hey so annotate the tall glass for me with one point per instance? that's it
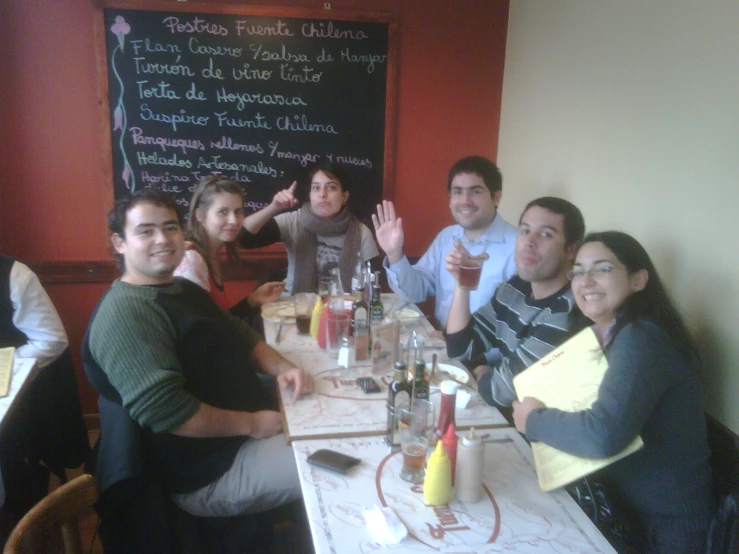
(470, 270)
(414, 423)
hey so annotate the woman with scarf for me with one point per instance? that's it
(321, 235)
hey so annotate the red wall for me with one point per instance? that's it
(53, 197)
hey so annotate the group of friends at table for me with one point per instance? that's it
(164, 353)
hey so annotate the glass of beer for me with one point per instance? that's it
(470, 270)
(414, 423)
(304, 302)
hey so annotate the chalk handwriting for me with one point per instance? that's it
(155, 159)
(172, 119)
(160, 90)
(300, 123)
(257, 123)
(368, 59)
(216, 162)
(195, 25)
(241, 99)
(147, 46)
(227, 143)
(278, 29)
(327, 30)
(196, 48)
(139, 138)
(142, 66)
(249, 74)
(305, 159)
(289, 73)
(283, 55)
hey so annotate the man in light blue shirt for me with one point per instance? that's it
(475, 187)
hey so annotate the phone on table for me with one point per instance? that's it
(332, 460)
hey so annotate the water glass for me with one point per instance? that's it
(414, 423)
(337, 328)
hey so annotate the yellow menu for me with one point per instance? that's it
(6, 369)
(567, 379)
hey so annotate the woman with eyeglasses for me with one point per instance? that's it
(651, 389)
(216, 217)
(321, 235)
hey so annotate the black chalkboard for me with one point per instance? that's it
(256, 94)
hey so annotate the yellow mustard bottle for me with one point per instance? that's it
(315, 317)
(437, 487)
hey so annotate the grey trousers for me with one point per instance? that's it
(263, 476)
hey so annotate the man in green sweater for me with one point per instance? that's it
(187, 372)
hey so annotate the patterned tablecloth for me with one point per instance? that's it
(513, 516)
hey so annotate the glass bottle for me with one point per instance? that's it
(358, 278)
(398, 395)
(420, 384)
(376, 309)
(336, 300)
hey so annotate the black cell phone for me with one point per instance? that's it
(332, 460)
(368, 384)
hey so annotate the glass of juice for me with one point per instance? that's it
(470, 270)
(414, 423)
(304, 302)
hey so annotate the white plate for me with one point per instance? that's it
(276, 310)
(407, 313)
(456, 373)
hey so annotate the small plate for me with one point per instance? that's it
(407, 313)
(456, 373)
(276, 310)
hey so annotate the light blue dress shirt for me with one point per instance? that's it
(429, 277)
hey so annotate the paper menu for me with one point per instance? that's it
(6, 369)
(568, 379)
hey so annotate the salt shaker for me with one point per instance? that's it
(470, 462)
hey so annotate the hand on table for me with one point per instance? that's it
(389, 231)
(285, 199)
(300, 380)
(268, 292)
(522, 409)
(265, 424)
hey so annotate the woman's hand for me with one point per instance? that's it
(268, 292)
(521, 411)
(285, 199)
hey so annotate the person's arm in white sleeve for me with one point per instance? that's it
(36, 317)
(193, 268)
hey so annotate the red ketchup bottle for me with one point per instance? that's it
(448, 403)
(450, 445)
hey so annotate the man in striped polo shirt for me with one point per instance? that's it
(529, 315)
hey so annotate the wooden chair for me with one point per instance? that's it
(54, 519)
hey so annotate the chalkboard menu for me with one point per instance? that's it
(254, 94)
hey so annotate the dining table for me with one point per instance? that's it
(513, 515)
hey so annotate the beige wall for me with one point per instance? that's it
(631, 110)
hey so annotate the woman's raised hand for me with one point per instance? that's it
(268, 292)
(285, 199)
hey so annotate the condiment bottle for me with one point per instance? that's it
(437, 487)
(470, 463)
(376, 309)
(450, 445)
(448, 404)
(315, 318)
(420, 384)
(398, 395)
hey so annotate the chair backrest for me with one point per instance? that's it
(53, 517)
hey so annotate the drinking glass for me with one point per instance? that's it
(304, 302)
(470, 270)
(337, 327)
(324, 288)
(414, 423)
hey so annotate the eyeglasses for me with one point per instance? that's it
(598, 272)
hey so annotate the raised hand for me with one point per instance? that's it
(285, 199)
(453, 260)
(389, 231)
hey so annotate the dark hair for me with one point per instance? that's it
(333, 170)
(653, 303)
(202, 199)
(118, 214)
(574, 223)
(481, 166)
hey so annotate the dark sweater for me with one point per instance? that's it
(650, 390)
(162, 351)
